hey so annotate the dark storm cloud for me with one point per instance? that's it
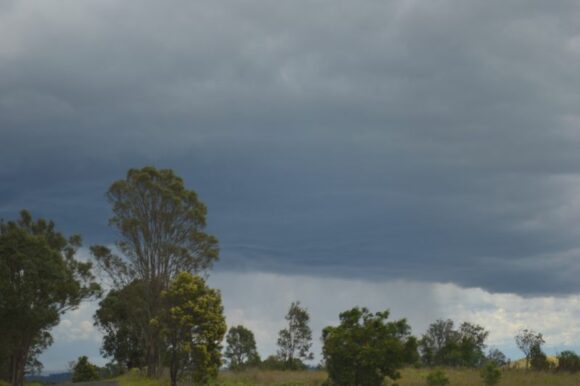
(431, 141)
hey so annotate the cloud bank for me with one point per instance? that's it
(259, 301)
(424, 141)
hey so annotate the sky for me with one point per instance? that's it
(420, 156)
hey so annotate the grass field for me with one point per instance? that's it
(410, 377)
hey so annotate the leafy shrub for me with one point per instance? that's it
(365, 348)
(85, 371)
(568, 361)
(437, 378)
(538, 360)
(497, 357)
(490, 374)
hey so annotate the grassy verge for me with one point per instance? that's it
(135, 378)
(270, 377)
(410, 377)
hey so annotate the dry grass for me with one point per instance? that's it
(136, 378)
(410, 377)
(271, 377)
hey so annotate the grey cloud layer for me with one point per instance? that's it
(430, 141)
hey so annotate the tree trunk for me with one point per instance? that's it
(17, 364)
(152, 361)
(173, 368)
(153, 293)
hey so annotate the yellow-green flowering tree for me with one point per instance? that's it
(192, 326)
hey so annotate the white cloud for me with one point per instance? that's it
(260, 300)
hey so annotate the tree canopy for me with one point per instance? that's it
(529, 341)
(161, 226)
(241, 351)
(40, 279)
(192, 325)
(121, 317)
(85, 371)
(443, 345)
(295, 341)
(365, 348)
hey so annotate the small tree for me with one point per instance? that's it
(497, 357)
(121, 317)
(538, 359)
(272, 362)
(192, 325)
(85, 371)
(443, 345)
(295, 341)
(568, 361)
(526, 340)
(241, 349)
(437, 378)
(364, 348)
(490, 374)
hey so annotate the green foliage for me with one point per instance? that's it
(192, 325)
(490, 374)
(365, 348)
(40, 279)
(437, 378)
(85, 371)
(241, 349)
(120, 317)
(112, 370)
(528, 340)
(538, 359)
(273, 362)
(497, 357)
(568, 361)
(443, 345)
(294, 342)
(161, 227)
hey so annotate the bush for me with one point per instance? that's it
(568, 361)
(490, 374)
(85, 371)
(538, 360)
(365, 348)
(273, 362)
(497, 357)
(437, 378)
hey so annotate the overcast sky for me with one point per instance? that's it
(397, 146)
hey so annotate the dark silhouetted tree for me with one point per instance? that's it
(526, 340)
(122, 317)
(538, 359)
(496, 356)
(40, 279)
(443, 345)
(568, 361)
